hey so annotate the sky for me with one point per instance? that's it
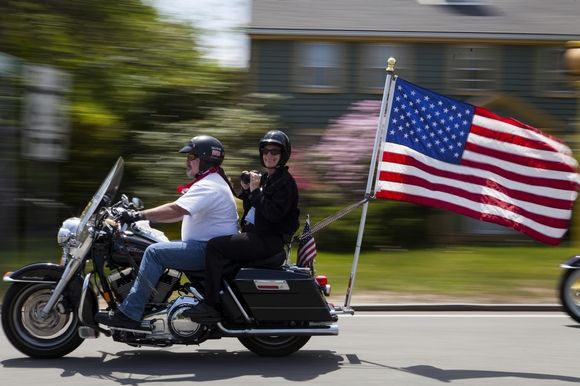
(222, 22)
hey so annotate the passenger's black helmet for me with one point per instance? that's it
(208, 149)
(279, 138)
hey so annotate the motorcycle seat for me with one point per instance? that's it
(274, 261)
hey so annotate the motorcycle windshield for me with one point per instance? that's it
(105, 193)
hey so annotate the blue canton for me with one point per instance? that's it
(429, 123)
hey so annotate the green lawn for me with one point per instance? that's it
(519, 274)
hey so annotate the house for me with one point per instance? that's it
(324, 55)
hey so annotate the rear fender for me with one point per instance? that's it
(571, 263)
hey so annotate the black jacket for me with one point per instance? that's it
(276, 204)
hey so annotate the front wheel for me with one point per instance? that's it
(52, 336)
(570, 293)
(274, 346)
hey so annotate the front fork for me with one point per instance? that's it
(69, 272)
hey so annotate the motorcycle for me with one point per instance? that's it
(272, 307)
(569, 288)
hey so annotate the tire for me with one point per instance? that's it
(51, 337)
(274, 346)
(570, 293)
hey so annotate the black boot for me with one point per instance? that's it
(117, 319)
(204, 312)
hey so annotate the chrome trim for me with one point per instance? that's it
(86, 284)
(242, 310)
(566, 266)
(331, 329)
(339, 310)
(66, 277)
(8, 279)
(145, 332)
(195, 292)
(271, 285)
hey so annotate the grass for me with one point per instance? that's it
(490, 274)
(512, 274)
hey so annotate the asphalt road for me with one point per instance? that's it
(378, 348)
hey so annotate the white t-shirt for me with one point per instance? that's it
(212, 210)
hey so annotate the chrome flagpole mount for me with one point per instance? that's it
(375, 159)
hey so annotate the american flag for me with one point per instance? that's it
(306, 247)
(452, 155)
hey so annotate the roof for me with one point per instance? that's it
(489, 19)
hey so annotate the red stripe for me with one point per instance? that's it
(468, 212)
(308, 248)
(530, 197)
(537, 181)
(481, 198)
(519, 159)
(488, 114)
(511, 138)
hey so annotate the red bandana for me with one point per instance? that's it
(182, 189)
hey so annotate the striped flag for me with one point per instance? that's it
(452, 155)
(306, 247)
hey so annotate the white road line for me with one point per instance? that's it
(538, 315)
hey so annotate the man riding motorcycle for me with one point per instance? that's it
(208, 210)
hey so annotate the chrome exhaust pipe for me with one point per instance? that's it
(331, 329)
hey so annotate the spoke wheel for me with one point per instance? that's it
(52, 336)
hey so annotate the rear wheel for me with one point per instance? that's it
(274, 346)
(52, 336)
(570, 293)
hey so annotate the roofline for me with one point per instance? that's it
(431, 36)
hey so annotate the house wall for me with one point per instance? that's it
(272, 68)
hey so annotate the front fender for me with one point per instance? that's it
(51, 273)
(571, 263)
(36, 273)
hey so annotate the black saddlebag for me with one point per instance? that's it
(282, 295)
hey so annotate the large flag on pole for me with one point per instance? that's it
(441, 152)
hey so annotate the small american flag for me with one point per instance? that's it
(441, 152)
(306, 247)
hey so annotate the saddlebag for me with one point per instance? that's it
(282, 295)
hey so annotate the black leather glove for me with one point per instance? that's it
(130, 216)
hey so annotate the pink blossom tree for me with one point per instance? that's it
(343, 155)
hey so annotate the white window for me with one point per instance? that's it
(319, 66)
(551, 77)
(473, 70)
(373, 62)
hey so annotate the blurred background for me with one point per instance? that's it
(84, 82)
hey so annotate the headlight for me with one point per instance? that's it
(67, 230)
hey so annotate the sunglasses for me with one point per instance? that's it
(191, 157)
(271, 151)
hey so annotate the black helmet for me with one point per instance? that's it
(208, 149)
(279, 138)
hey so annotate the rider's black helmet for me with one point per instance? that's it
(279, 138)
(208, 149)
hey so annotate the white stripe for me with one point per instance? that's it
(472, 205)
(508, 128)
(519, 169)
(469, 171)
(520, 150)
(477, 189)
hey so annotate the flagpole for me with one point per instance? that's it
(387, 98)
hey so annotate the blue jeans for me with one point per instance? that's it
(181, 255)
